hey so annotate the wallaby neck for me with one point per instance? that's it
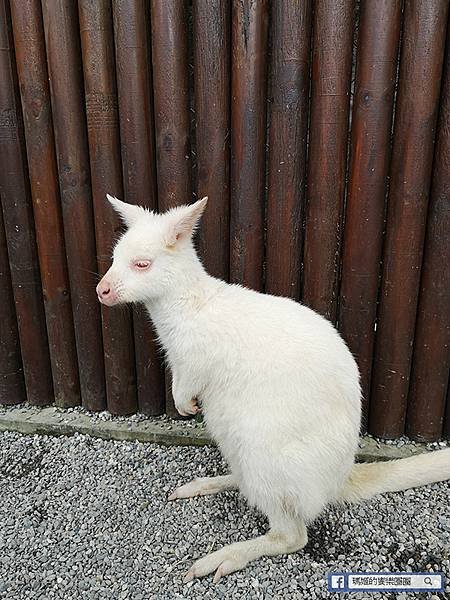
(175, 310)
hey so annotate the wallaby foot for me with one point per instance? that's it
(203, 486)
(286, 535)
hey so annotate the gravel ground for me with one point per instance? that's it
(83, 518)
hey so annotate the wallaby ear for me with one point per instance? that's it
(183, 220)
(129, 213)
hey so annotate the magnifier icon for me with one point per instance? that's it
(428, 581)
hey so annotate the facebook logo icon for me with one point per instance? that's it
(337, 582)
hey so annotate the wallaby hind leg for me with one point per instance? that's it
(203, 486)
(286, 534)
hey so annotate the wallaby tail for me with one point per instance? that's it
(368, 479)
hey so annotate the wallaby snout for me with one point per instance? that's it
(106, 293)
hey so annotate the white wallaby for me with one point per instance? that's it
(278, 387)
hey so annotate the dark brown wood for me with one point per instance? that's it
(169, 22)
(97, 41)
(134, 82)
(171, 411)
(171, 98)
(289, 105)
(211, 35)
(135, 104)
(422, 55)
(12, 386)
(431, 363)
(446, 433)
(19, 228)
(248, 126)
(66, 87)
(33, 78)
(378, 41)
(331, 72)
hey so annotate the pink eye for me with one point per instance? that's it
(141, 265)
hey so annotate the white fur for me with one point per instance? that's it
(278, 387)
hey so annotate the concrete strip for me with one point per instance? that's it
(370, 450)
(52, 421)
(49, 421)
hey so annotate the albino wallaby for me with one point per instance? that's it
(278, 387)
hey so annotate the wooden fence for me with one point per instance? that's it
(320, 130)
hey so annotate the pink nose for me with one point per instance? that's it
(104, 290)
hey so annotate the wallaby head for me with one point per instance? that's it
(153, 254)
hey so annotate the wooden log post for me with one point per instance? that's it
(446, 433)
(66, 87)
(379, 35)
(422, 55)
(330, 101)
(19, 229)
(97, 42)
(211, 26)
(289, 105)
(33, 78)
(171, 98)
(134, 81)
(12, 387)
(249, 35)
(171, 103)
(431, 362)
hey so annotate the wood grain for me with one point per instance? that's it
(249, 38)
(97, 42)
(431, 362)
(36, 107)
(376, 68)
(288, 114)
(412, 155)
(330, 102)
(19, 228)
(69, 120)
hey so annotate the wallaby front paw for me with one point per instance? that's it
(188, 408)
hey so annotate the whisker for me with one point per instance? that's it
(88, 271)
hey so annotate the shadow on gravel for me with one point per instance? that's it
(21, 468)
